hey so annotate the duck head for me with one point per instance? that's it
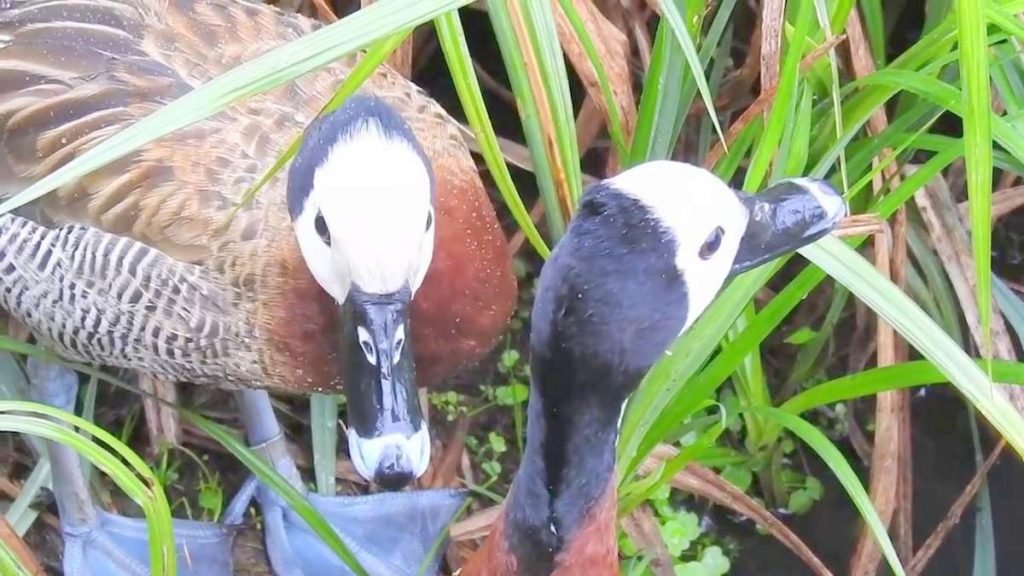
(361, 198)
(648, 251)
(645, 254)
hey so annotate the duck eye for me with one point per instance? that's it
(712, 244)
(321, 228)
(399, 343)
(430, 220)
(366, 344)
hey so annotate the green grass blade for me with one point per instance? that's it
(834, 89)
(269, 476)
(874, 26)
(831, 455)
(323, 418)
(642, 490)
(452, 38)
(810, 353)
(529, 114)
(796, 142)
(937, 283)
(539, 18)
(1010, 305)
(936, 12)
(260, 74)
(972, 34)
(666, 97)
(9, 563)
(887, 378)
(782, 113)
(614, 120)
(661, 102)
(984, 532)
(1008, 78)
(749, 381)
(716, 77)
(672, 12)
(849, 268)
(144, 491)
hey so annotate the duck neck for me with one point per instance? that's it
(566, 472)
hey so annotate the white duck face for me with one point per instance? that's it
(719, 232)
(700, 213)
(361, 193)
(366, 218)
(645, 255)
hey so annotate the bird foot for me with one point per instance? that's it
(99, 542)
(391, 533)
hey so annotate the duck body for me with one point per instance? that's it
(645, 255)
(166, 278)
(79, 73)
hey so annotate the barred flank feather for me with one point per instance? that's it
(96, 297)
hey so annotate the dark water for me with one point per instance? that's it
(943, 464)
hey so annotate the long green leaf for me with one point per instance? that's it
(661, 102)
(780, 115)
(677, 22)
(452, 38)
(9, 563)
(860, 277)
(260, 74)
(888, 378)
(268, 475)
(323, 420)
(984, 526)
(529, 113)
(642, 490)
(614, 120)
(540, 21)
(844, 473)
(25, 418)
(874, 25)
(977, 115)
(666, 97)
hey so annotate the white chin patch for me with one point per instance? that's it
(366, 454)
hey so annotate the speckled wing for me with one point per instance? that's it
(96, 297)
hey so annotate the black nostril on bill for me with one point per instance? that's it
(394, 471)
